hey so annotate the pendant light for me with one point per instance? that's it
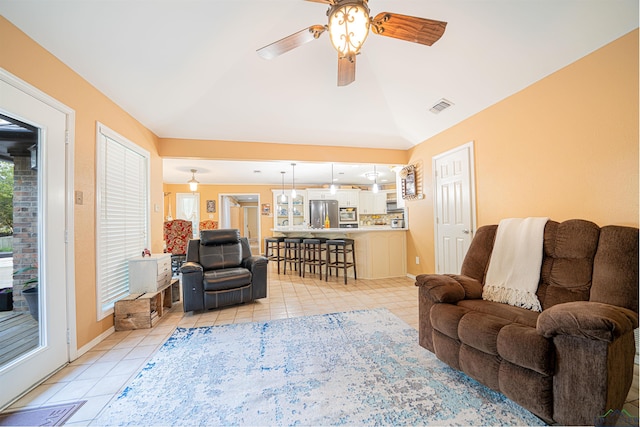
(375, 188)
(293, 182)
(193, 183)
(283, 197)
(332, 187)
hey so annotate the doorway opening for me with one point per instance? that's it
(241, 211)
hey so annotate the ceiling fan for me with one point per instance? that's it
(348, 27)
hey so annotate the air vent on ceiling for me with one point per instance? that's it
(443, 104)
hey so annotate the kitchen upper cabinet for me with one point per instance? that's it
(348, 198)
(373, 203)
(318, 194)
(288, 212)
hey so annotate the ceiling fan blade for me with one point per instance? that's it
(346, 70)
(288, 43)
(409, 28)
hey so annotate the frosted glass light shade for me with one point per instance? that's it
(349, 27)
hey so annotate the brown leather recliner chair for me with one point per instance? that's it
(570, 364)
(221, 271)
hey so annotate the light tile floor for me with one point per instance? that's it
(98, 375)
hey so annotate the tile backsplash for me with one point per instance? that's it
(381, 219)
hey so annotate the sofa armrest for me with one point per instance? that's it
(257, 265)
(252, 262)
(192, 286)
(449, 288)
(585, 319)
(190, 267)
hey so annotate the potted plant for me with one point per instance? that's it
(30, 291)
(6, 299)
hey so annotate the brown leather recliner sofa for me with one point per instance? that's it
(569, 364)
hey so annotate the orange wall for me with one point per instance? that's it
(564, 147)
(236, 150)
(27, 60)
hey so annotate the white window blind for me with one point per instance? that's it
(122, 214)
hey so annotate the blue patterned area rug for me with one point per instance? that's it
(354, 368)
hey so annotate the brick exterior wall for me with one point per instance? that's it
(25, 226)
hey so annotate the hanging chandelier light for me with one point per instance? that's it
(332, 187)
(293, 182)
(193, 183)
(283, 197)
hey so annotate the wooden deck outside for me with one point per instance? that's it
(19, 333)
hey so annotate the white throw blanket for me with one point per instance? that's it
(516, 260)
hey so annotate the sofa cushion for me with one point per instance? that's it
(219, 237)
(569, 249)
(524, 346)
(475, 262)
(446, 317)
(504, 311)
(615, 270)
(480, 331)
(226, 278)
(221, 256)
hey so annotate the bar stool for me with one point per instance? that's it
(292, 254)
(312, 254)
(273, 247)
(340, 248)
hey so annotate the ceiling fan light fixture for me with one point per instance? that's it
(349, 26)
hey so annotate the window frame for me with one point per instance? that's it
(103, 134)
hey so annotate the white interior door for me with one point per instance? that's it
(454, 206)
(24, 103)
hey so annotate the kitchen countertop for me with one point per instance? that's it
(363, 229)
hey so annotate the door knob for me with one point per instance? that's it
(465, 231)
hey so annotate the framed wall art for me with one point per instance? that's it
(211, 206)
(409, 189)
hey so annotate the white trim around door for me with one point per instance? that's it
(58, 344)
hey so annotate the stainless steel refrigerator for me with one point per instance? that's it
(319, 210)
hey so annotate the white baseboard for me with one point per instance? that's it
(82, 350)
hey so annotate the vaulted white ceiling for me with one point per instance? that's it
(189, 69)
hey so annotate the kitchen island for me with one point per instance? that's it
(380, 250)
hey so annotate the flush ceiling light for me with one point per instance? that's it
(193, 183)
(283, 198)
(372, 176)
(293, 182)
(349, 26)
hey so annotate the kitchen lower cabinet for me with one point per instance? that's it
(381, 254)
(380, 251)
